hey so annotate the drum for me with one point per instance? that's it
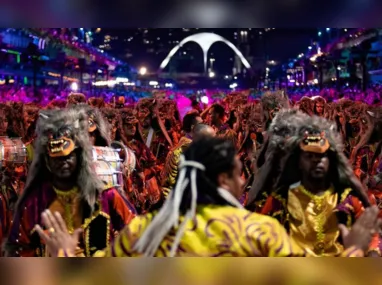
(21, 150)
(109, 176)
(127, 155)
(12, 150)
(107, 154)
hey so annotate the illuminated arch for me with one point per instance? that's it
(205, 41)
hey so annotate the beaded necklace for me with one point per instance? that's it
(66, 198)
(320, 218)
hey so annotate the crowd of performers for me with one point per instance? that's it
(80, 177)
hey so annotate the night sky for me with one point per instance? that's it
(276, 44)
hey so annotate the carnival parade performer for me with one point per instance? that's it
(142, 185)
(169, 172)
(322, 194)
(222, 129)
(286, 123)
(62, 179)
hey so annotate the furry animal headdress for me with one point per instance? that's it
(29, 119)
(272, 102)
(113, 121)
(373, 131)
(286, 124)
(52, 121)
(76, 98)
(56, 104)
(96, 123)
(128, 115)
(96, 102)
(305, 105)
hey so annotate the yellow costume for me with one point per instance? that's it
(216, 231)
(170, 170)
(313, 222)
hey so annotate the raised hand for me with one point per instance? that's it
(58, 236)
(363, 229)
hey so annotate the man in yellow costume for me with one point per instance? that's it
(202, 217)
(62, 178)
(316, 190)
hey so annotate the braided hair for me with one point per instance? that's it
(197, 183)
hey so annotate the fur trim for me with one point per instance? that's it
(56, 104)
(96, 102)
(272, 100)
(76, 98)
(112, 114)
(102, 126)
(286, 124)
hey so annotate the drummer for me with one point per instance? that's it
(12, 171)
(62, 179)
(142, 185)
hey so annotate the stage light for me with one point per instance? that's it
(309, 47)
(211, 74)
(204, 99)
(74, 86)
(142, 70)
(121, 80)
(319, 34)
(153, 83)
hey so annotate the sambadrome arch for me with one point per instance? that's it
(205, 41)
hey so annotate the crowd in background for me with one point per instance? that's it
(339, 132)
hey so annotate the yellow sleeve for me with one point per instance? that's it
(122, 245)
(272, 240)
(170, 170)
(352, 252)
